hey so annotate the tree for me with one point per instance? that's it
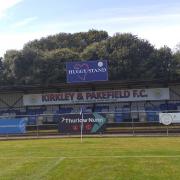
(162, 64)
(127, 56)
(9, 65)
(177, 65)
(96, 51)
(76, 42)
(1, 71)
(19, 66)
(52, 66)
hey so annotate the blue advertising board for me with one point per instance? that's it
(13, 126)
(87, 71)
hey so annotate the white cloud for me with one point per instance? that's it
(161, 36)
(6, 4)
(17, 40)
(24, 22)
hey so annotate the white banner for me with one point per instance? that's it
(168, 118)
(96, 96)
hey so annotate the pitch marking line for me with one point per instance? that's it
(50, 168)
(89, 157)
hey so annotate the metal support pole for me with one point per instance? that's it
(82, 127)
(133, 126)
(37, 128)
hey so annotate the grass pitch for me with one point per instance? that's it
(94, 159)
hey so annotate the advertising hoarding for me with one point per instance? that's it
(97, 96)
(13, 126)
(86, 71)
(92, 123)
(168, 118)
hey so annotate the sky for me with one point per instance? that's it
(21, 21)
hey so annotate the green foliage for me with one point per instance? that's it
(77, 41)
(177, 64)
(126, 53)
(129, 58)
(96, 51)
(1, 70)
(54, 65)
(162, 64)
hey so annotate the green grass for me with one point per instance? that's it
(94, 159)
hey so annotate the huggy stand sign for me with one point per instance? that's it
(86, 71)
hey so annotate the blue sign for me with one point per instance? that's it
(87, 71)
(13, 126)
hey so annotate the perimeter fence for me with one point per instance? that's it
(130, 123)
